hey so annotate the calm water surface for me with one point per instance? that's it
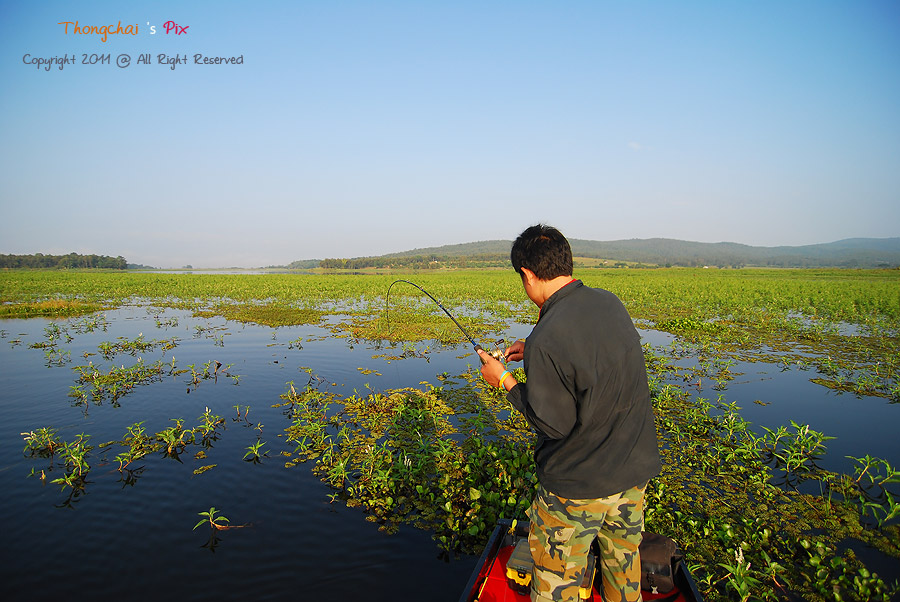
(135, 540)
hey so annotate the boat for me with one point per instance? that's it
(499, 576)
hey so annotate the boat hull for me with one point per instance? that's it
(489, 582)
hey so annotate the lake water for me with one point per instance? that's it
(135, 539)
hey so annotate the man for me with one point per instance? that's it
(587, 397)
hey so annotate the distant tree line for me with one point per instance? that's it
(417, 262)
(70, 261)
(303, 264)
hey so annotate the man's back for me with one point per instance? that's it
(587, 396)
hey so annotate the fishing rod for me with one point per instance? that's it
(495, 353)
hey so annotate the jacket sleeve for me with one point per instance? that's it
(547, 397)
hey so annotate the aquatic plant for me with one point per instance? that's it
(720, 490)
(794, 453)
(739, 577)
(134, 346)
(138, 443)
(211, 518)
(42, 442)
(253, 452)
(56, 308)
(175, 438)
(216, 523)
(112, 385)
(208, 429)
(872, 478)
(396, 455)
(73, 456)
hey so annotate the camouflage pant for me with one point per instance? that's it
(560, 539)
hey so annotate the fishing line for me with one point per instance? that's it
(496, 353)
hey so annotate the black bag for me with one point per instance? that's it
(659, 559)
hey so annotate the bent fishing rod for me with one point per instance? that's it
(495, 353)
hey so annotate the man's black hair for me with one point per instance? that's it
(543, 250)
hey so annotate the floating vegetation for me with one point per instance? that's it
(54, 335)
(242, 417)
(754, 510)
(216, 523)
(688, 325)
(113, 384)
(213, 520)
(406, 350)
(725, 488)
(71, 457)
(265, 315)
(134, 346)
(210, 371)
(254, 452)
(89, 323)
(42, 442)
(413, 325)
(453, 459)
(434, 458)
(870, 483)
(208, 430)
(137, 445)
(50, 308)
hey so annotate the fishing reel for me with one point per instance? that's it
(497, 351)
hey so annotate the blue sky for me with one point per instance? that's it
(370, 127)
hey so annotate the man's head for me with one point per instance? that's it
(544, 251)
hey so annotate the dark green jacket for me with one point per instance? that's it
(587, 396)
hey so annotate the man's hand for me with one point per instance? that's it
(492, 371)
(515, 352)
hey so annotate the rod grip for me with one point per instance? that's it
(477, 349)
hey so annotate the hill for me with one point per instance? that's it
(847, 253)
